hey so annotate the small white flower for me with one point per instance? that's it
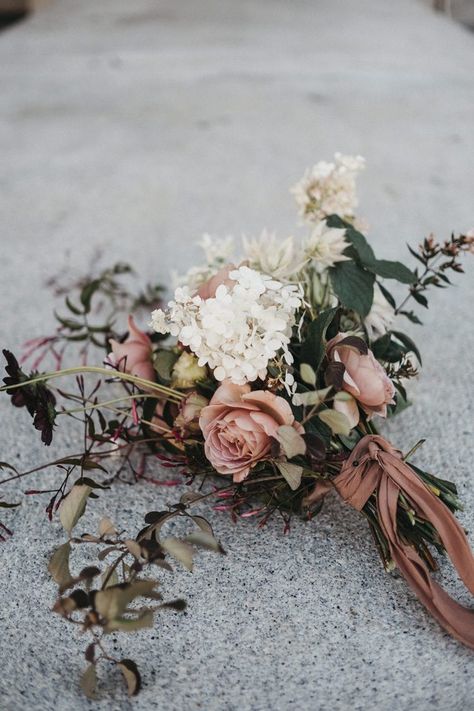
(237, 332)
(326, 245)
(273, 256)
(380, 317)
(329, 188)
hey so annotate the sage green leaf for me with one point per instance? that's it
(74, 506)
(89, 682)
(291, 472)
(337, 421)
(180, 550)
(290, 441)
(132, 676)
(307, 374)
(354, 286)
(58, 566)
(204, 540)
(141, 621)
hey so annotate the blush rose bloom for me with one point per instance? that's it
(133, 356)
(209, 288)
(238, 425)
(364, 379)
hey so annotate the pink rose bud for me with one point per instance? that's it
(209, 288)
(364, 379)
(238, 426)
(133, 356)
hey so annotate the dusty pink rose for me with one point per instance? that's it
(133, 356)
(238, 425)
(209, 288)
(364, 379)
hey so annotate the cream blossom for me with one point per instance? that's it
(325, 245)
(217, 252)
(380, 317)
(270, 255)
(329, 188)
(240, 329)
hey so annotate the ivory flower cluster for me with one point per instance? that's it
(239, 329)
(329, 188)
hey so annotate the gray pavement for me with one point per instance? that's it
(134, 127)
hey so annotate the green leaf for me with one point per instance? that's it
(407, 341)
(381, 345)
(74, 309)
(393, 270)
(73, 506)
(353, 286)
(291, 472)
(88, 292)
(314, 346)
(163, 364)
(89, 682)
(6, 505)
(411, 316)
(363, 249)
(387, 295)
(59, 565)
(420, 298)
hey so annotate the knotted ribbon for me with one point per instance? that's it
(375, 466)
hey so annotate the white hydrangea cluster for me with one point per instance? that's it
(329, 188)
(237, 332)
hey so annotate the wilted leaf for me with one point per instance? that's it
(307, 374)
(59, 565)
(6, 505)
(189, 497)
(141, 621)
(203, 524)
(111, 603)
(74, 506)
(106, 527)
(132, 676)
(134, 548)
(290, 441)
(204, 540)
(112, 580)
(291, 472)
(89, 682)
(337, 421)
(181, 551)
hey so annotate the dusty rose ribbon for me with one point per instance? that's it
(375, 466)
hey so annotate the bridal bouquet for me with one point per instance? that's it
(260, 384)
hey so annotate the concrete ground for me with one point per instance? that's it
(133, 128)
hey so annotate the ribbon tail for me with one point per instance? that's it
(453, 617)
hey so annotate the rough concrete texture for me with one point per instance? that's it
(133, 128)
